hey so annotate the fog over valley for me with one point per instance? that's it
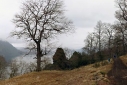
(63, 42)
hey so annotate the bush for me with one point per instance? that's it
(49, 67)
(103, 63)
(103, 73)
(96, 65)
(75, 60)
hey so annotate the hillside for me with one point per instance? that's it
(113, 73)
(86, 75)
(8, 51)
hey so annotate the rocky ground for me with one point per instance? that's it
(118, 74)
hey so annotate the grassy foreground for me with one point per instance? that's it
(86, 75)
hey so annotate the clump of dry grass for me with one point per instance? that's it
(124, 59)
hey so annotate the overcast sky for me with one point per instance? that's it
(83, 13)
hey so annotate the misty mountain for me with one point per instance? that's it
(26, 51)
(8, 51)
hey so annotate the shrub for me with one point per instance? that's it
(103, 73)
(96, 65)
(103, 63)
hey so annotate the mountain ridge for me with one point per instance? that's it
(8, 51)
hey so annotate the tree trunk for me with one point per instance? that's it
(123, 42)
(39, 55)
(109, 48)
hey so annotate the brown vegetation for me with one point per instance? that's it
(87, 75)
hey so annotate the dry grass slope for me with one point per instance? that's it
(86, 75)
(124, 59)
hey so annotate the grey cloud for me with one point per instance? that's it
(83, 13)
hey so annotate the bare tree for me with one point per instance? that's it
(121, 33)
(38, 22)
(14, 67)
(31, 67)
(68, 52)
(99, 34)
(121, 13)
(121, 25)
(45, 61)
(109, 35)
(19, 67)
(89, 44)
(3, 65)
(22, 67)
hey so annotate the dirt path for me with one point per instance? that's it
(118, 74)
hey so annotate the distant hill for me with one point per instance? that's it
(8, 51)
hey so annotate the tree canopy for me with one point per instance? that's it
(39, 21)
